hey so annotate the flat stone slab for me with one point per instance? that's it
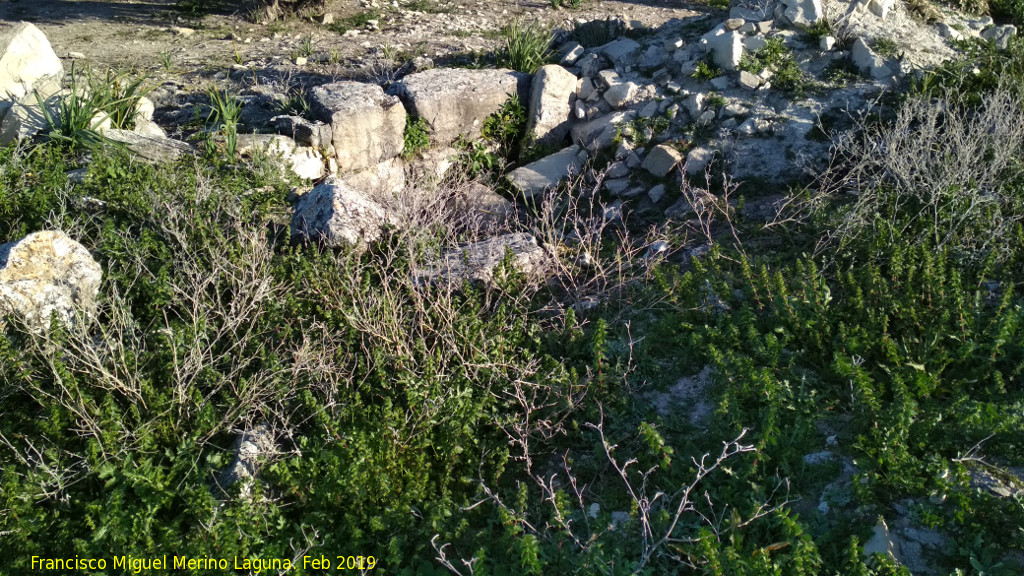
(455, 101)
(548, 172)
(599, 132)
(154, 149)
(478, 262)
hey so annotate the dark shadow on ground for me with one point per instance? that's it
(149, 12)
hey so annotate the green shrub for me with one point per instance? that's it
(981, 70)
(786, 73)
(1011, 11)
(416, 137)
(706, 70)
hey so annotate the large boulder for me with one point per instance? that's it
(803, 13)
(456, 102)
(367, 125)
(47, 272)
(661, 160)
(726, 49)
(477, 262)
(867, 61)
(548, 172)
(337, 214)
(28, 65)
(551, 98)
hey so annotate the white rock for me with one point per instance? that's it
(477, 262)
(598, 133)
(619, 49)
(337, 214)
(698, 159)
(150, 147)
(726, 50)
(148, 128)
(579, 110)
(733, 109)
(616, 186)
(649, 109)
(455, 101)
(1000, 35)
(880, 8)
(307, 163)
(661, 160)
(28, 65)
(803, 13)
(749, 81)
(695, 103)
(865, 59)
(947, 31)
(720, 83)
(545, 174)
(26, 57)
(620, 94)
(656, 193)
(368, 126)
(754, 43)
(551, 95)
(617, 169)
(826, 43)
(571, 53)
(585, 89)
(144, 109)
(748, 128)
(47, 272)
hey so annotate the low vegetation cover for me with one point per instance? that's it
(867, 365)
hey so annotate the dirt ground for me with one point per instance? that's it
(163, 40)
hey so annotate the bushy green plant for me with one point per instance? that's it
(786, 73)
(705, 70)
(506, 126)
(980, 70)
(416, 136)
(527, 46)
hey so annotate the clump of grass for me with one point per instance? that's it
(355, 21)
(296, 102)
(886, 48)
(527, 47)
(114, 96)
(820, 28)
(596, 32)
(225, 112)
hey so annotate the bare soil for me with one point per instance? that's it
(166, 42)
